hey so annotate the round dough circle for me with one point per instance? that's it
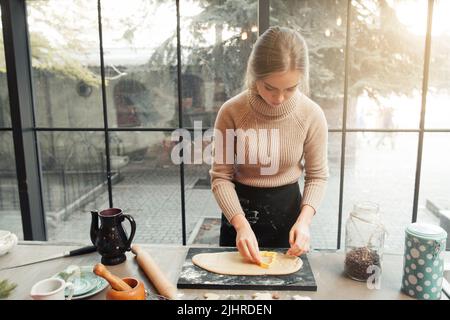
(232, 263)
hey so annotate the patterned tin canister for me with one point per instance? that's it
(423, 263)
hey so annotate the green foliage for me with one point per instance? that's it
(6, 288)
(226, 59)
(58, 61)
(2, 56)
(385, 57)
(48, 26)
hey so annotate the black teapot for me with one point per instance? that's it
(111, 238)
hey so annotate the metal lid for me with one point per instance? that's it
(426, 231)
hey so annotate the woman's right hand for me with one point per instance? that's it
(245, 239)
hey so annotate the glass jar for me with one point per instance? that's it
(364, 241)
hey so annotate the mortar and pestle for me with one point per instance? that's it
(121, 289)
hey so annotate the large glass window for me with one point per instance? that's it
(73, 181)
(434, 203)
(139, 43)
(5, 118)
(323, 25)
(213, 69)
(140, 53)
(386, 64)
(438, 98)
(65, 53)
(10, 218)
(385, 81)
(141, 82)
(148, 188)
(382, 171)
(324, 228)
(146, 100)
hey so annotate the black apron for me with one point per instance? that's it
(271, 213)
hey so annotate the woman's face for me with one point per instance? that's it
(278, 87)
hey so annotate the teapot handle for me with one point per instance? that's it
(133, 230)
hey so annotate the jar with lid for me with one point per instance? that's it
(423, 262)
(364, 241)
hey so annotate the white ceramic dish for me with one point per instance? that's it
(8, 241)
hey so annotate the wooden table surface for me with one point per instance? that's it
(327, 267)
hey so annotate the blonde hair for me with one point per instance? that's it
(278, 49)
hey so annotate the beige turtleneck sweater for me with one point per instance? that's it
(301, 145)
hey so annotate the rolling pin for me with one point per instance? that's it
(115, 282)
(154, 273)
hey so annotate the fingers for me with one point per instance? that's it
(257, 248)
(249, 249)
(254, 251)
(243, 250)
(296, 251)
(291, 237)
(299, 244)
(247, 244)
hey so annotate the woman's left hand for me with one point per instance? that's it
(299, 239)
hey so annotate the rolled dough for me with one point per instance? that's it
(232, 263)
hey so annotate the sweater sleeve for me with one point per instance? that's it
(316, 163)
(222, 165)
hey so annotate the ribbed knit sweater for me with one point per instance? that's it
(301, 147)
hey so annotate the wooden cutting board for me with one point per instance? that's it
(194, 277)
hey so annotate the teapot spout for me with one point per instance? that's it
(94, 226)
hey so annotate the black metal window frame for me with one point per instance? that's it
(17, 54)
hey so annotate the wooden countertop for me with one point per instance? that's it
(326, 265)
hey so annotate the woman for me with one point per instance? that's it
(260, 208)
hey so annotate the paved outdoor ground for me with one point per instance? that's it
(150, 192)
(153, 198)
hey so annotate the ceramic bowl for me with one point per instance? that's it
(137, 291)
(8, 241)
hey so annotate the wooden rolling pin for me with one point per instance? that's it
(154, 273)
(115, 282)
